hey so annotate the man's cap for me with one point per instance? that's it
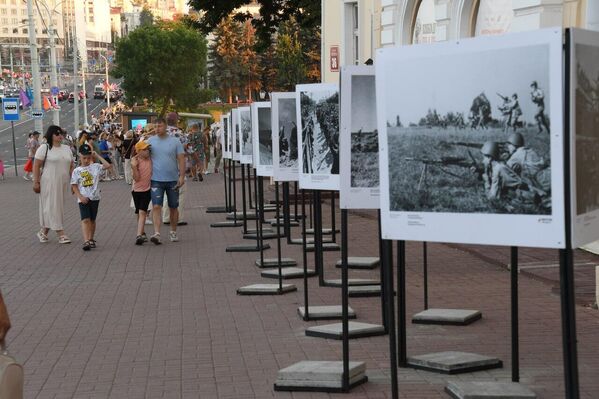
(172, 116)
(534, 83)
(85, 149)
(142, 145)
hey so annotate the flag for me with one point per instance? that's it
(46, 105)
(52, 102)
(29, 94)
(24, 99)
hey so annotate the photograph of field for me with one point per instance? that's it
(364, 160)
(246, 131)
(225, 123)
(460, 142)
(265, 136)
(237, 134)
(287, 133)
(320, 131)
(587, 128)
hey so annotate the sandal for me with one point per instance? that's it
(42, 236)
(92, 243)
(64, 240)
(87, 246)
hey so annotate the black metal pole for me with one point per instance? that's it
(234, 196)
(566, 256)
(401, 302)
(333, 227)
(250, 186)
(425, 273)
(312, 213)
(14, 146)
(295, 199)
(382, 260)
(279, 239)
(305, 258)
(286, 212)
(227, 202)
(318, 237)
(260, 190)
(515, 335)
(243, 199)
(344, 301)
(387, 265)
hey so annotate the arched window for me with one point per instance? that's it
(493, 17)
(425, 23)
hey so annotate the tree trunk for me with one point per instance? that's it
(167, 101)
(230, 95)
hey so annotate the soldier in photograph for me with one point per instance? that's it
(497, 177)
(538, 98)
(516, 112)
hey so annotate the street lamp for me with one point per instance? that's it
(35, 68)
(107, 83)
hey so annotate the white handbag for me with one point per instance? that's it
(11, 376)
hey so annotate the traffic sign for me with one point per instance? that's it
(54, 90)
(37, 114)
(10, 108)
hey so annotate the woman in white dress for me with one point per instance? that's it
(52, 170)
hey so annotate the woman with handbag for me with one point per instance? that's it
(52, 170)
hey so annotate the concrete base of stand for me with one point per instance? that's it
(352, 282)
(488, 390)
(264, 230)
(227, 224)
(319, 376)
(456, 317)
(326, 246)
(300, 241)
(334, 312)
(274, 262)
(363, 291)
(248, 216)
(246, 248)
(454, 362)
(360, 262)
(266, 289)
(287, 273)
(325, 231)
(355, 330)
(217, 209)
(265, 236)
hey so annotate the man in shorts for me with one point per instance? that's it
(168, 176)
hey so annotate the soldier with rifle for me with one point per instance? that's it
(527, 163)
(538, 98)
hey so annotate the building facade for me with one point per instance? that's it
(348, 38)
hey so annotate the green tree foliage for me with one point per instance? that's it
(273, 13)
(145, 17)
(162, 63)
(297, 55)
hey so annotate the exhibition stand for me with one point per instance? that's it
(232, 189)
(227, 207)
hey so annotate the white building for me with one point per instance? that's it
(352, 29)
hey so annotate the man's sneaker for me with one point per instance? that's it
(144, 237)
(173, 236)
(139, 240)
(156, 239)
(148, 221)
(26, 178)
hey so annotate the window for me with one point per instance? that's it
(15, 30)
(352, 33)
(425, 24)
(13, 11)
(3, 11)
(5, 30)
(14, 21)
(493, 17)
(23, 12)
(91, 19)
(24, 30)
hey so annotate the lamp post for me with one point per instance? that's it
(107, 83)
(35, 68)
(53, 73)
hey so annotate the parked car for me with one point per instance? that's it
(99, 92)
(63, 95)
(72, 96)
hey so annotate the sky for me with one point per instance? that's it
(363, 107)
(450, 82)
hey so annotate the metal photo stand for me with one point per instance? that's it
(233, 208)
(227, 207)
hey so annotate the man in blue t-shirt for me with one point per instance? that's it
(168, 175)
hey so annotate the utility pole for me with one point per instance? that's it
(84, 96)
(35, 68)
(107, 83)
(12, 67)
(75, 88)
(53, 75)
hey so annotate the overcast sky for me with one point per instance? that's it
(363, 104)
(450, 82)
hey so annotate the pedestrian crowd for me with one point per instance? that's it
(155, 161)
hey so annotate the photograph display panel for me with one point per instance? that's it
(225, 130)
(318, 143)
(245, 138)
(471, 152)
(283, 122)
(584, 135)
(235, 134)
(230, 140)
(358, 141)
(262, 138)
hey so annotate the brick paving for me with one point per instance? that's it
(165, 322)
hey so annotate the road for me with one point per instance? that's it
(26, 124)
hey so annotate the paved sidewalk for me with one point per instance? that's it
(165, 322)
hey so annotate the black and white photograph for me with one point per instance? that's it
(318, 121)
(245, 126)
(585, 146)
(284, 137)
(225, 129)
(358, 141)
(236, 133)
(460, 142)
(262, 138)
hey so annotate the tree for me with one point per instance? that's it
(225, 55)
(273, 13)
(249, 60)
(145, 17)
(162, 63)
(289, 59)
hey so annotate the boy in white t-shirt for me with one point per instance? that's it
(84, 181)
